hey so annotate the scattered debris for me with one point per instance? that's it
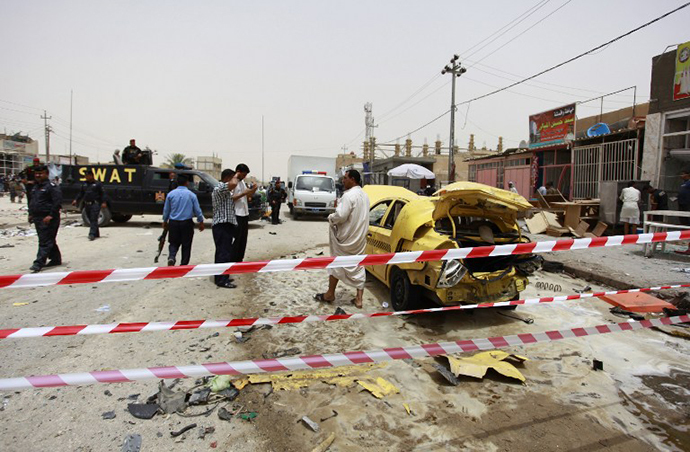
(182, 430)
(273, 233)
(342, 376)
(169, 400)
(325, 444)
(220, 383)
(447, 374)
(407, 408)
(476, 366)
(681, 270)
(385, 305)
(311, 424)
(230, 394)
(132, 443)
(104, 308)
(339, 311)
(249, 416)
(214, 444)
(7, 245)
(335, 413)
(20, 304)
(143, 410)
(552, 266)
(224, 414)
(527, 320)
(597, 365)
(380, 388)
(205, 431)
(200, 396)
(108, 393)
(620, 312)
(282, 353)
(108, 415)
(586, 289)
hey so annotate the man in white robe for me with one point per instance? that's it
(349, 225)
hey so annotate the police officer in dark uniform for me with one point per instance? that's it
(44, 213)
(94, 199)
(276, 196)
(28, 177)
(131, 155)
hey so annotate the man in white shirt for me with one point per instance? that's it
(239, 196)
(349, 226)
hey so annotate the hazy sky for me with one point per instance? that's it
(196, 77)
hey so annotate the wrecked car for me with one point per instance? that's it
(463, 214)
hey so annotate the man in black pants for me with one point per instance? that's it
(224, 223)
(94, 200)
(44, 213)
(239, 196)
(181, 205)
(276, 196)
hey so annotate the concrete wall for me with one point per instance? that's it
(652, 149)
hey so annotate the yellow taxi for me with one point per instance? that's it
(462, 214)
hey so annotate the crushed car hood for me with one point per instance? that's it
(471, 195)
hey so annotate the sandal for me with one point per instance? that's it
(322, 297)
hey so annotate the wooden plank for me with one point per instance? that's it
(551, 219)
(557, 231)
(581, 229)
(600, 228)
(537, 224)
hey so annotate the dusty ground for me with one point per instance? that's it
(638, 403)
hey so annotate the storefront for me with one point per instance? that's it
(513, 165)
(667, 131)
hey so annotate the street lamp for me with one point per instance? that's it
(456, 70)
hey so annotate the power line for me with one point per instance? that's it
(20, 105)
(534, 10)
(578, 56)
(436, 76)
(618, 38)
(524, 31)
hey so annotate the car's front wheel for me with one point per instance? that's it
(403, 292)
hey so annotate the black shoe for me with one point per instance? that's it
(227, 285)
(92, 238)
(52, 264)
(171, 262)
(35, 268)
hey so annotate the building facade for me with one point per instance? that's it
(212, 166)
(667, 128)
(16, 152)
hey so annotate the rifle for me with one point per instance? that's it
(161, 244)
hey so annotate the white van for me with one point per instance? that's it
(312, 193)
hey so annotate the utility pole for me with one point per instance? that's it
(45, 117)
(455, 69)
(262, 150)
(369, 136)
(70, 127)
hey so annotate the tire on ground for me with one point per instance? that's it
(121, 218)
(103, 218)
(403, 293)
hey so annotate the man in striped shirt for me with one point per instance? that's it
(224, 223)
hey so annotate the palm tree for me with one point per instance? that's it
(175, 158)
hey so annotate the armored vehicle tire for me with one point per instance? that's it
(120, 218)
(403, 293)
(103, 218)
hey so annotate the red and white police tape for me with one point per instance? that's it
(318, 361)
(193, 271)
(137, 327)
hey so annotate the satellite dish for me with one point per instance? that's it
(523, 145)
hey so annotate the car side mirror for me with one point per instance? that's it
(289, 184)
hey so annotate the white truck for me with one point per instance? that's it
(311, 186)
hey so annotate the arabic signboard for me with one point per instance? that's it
(552, 127)
(681, 79)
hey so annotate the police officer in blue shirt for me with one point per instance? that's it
(181, 205)
(94, 200)
(44, 212)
